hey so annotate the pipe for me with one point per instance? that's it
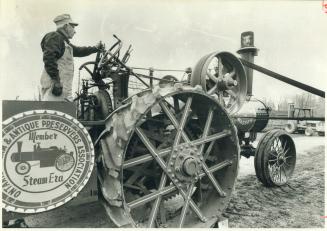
(284, 79)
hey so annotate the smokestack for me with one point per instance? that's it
(247, 52)
(19, 146)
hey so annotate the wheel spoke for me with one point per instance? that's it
(212, 77)
(157, 202)
(284, 148)
(173, 119)
(286, 151)
(182, 123)
(279, 145)
(220, 67)
(150, 147)
(213, 180)
(207, 153)
(284, 171)
(217, 167)
(206, 129)
(287, 163)
(287, 157)
(186, 205)
(176, 105)
(271, 153)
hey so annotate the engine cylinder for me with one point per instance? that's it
(252, 108)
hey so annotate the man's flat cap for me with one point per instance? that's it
(63, 19)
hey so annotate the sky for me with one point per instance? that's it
(291, 37)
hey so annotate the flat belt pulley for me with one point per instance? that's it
(222, 74)
(169, 158)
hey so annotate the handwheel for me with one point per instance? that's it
(222, 74)
(169, 160)
(275, 158)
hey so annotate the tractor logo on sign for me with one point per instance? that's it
(47, 159)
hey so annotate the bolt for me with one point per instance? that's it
(174, 156)
(181, 157)
(169, 170)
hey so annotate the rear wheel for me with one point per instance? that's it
(178, 164)
(275, 158)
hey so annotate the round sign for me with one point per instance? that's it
(47, 158)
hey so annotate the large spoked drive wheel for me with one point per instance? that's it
(275, 158)
(170, 160)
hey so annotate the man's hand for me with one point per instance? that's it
(100, 46)
(57, 88)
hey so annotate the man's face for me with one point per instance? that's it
(70, 31)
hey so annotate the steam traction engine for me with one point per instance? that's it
(168, 155)
(174, 148)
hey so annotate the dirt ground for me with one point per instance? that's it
(298, 204)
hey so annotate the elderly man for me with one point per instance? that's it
(58, 53)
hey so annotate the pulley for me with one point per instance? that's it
(222, 74)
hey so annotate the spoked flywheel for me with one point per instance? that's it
(169, 159)
(222, 74)
(275, 158)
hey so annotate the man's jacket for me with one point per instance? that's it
(53, 47)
